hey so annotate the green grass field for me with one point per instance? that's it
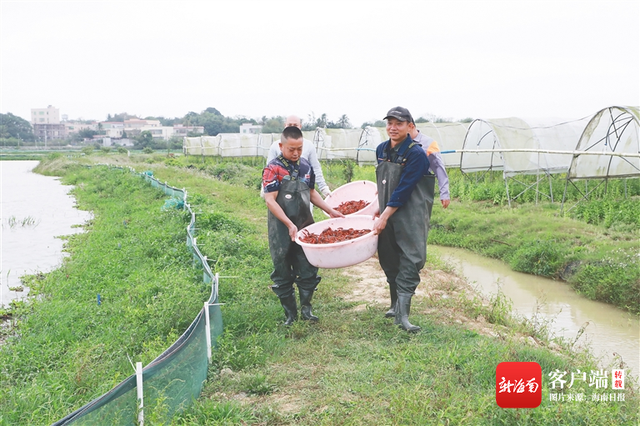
(353, 368)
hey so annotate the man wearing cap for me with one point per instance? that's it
(405, 188)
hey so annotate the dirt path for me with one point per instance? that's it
(438, 295)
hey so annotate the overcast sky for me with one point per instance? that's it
(453, 59)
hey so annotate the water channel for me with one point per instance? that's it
(35, 211)
(608, 330)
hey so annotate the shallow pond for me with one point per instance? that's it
(36, 210)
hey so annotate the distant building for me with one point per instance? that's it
(112, 129)
(137, 123)
(48, 115)
(46, 124)
(182, 130)
(250, 128)
(75, 126)
(124, 142)
(47, 132)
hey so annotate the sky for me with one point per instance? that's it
(453, 59)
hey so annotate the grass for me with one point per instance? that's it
(597, 257)
(64, 349)
(353, 368)
(25, 222)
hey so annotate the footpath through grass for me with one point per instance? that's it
(353, 368)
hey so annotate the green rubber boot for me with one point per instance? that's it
(290, 309)
(393, 291)
(305, 305)
(403, 307)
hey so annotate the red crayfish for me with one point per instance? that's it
(349, 207)
(329, 235)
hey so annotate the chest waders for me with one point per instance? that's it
(402, 245)
(289, 262)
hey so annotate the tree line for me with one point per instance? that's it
(15, 130)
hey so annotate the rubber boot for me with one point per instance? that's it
(393, 291)
(305, 305)
(290, 309)
(403, 307)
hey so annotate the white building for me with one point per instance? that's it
(75, 126)
(137, 123)
(48, 115)
(181, 130)
(250, 128)
(113, 129)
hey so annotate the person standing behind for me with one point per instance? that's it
(288, 182)
(436, 164)
(308, 152)
(404, 190)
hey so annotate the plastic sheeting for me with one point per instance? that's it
(612, 129)
(331, 144)
(450, 137)
(516, 133)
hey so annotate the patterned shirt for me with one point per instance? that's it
(277, 169)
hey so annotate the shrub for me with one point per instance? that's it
(542, 258)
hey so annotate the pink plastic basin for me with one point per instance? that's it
(345, 253)
(356, 191)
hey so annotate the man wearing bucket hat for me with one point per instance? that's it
(308, 152)
(405, 188)
(288, 182)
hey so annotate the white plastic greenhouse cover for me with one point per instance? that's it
(334, 144)
(450, 137)
(612, 129)
(331, 144)
(516, 133)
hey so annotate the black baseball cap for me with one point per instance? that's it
(399, 113)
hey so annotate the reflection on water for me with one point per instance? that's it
(608, 330)
(36, 210)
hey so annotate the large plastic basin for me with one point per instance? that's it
(356, 191)
(345, 253)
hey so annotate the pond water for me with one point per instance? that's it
(35, 211)
(607, 329)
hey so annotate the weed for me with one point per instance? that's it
(28, 221)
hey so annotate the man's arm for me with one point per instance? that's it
(317, 200)
(436, 164)
(381, 223)
(274, 151)
(312, 157)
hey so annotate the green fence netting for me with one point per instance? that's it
(175, 378)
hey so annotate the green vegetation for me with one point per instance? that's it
(14, 130)
(593, 246)
(63, 348)
(353, 368)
